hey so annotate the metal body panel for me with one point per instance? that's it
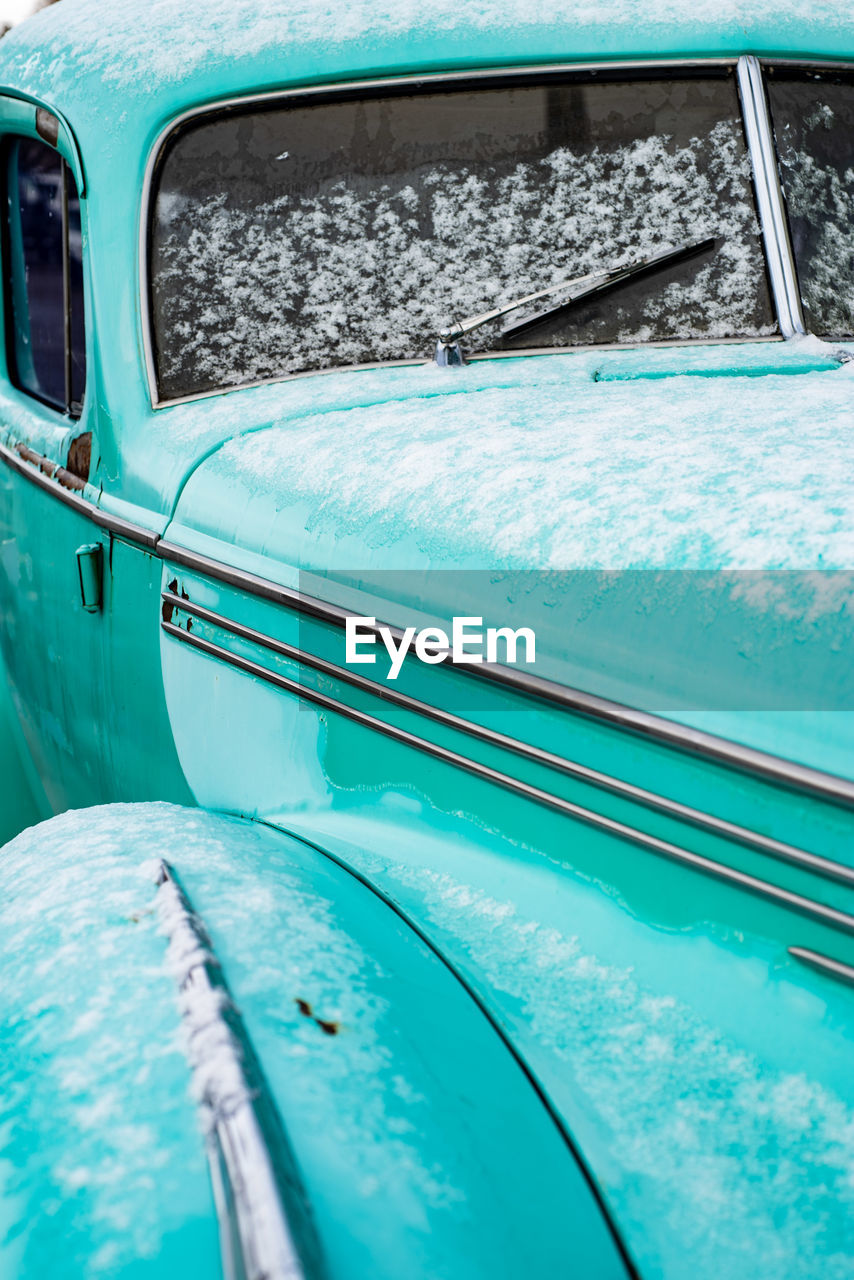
(579, 951)
(544, 914)
(392, 544)
(22, 798)
(419, 1139)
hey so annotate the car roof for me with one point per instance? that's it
(118, 69)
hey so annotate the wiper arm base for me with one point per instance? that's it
(448, 353)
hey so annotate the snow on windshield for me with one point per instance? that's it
(341, 234)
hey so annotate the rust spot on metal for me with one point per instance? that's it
(49, 468)
(26, 453)
(168, 607)
(327, 1026)
(47, 126)
(189, 624)
(67, 480)
(80, 456)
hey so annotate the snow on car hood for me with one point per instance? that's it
(713, 485)
(586, 462)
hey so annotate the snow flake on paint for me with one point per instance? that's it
(713, 1157)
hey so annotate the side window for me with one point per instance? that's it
(814, 128)
(44, 277)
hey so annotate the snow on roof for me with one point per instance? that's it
(82, 50)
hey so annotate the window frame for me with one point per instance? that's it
(14, 256)
(757, 149)
(31, 120)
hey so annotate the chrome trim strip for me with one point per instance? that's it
(502, 72)
(732, 754)
(265, 1228)
(762, 888)
(476, 357)
(769, 197)
(811, 64)
(673, 808)
(263, 588)
(825, 964)
(31, 468)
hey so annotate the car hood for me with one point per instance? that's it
(729, 457)
(676, 526)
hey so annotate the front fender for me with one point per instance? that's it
(420, 1143)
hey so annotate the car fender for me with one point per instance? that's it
(404, 1135)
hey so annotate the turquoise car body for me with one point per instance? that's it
(513, 958)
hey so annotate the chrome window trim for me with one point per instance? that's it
(760, 142)
(349, 86)
(769, 197)
(809, 64)
(476, 357)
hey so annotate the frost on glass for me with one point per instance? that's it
(814, 126)
(300, 238)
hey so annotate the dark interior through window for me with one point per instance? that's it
(45, 329)
(813, 115)
(304, 235)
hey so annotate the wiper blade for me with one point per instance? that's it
(630, 271)
(447, 348)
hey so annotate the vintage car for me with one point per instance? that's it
(335, 335)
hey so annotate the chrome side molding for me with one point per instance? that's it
(762, 764)
(824, 964)
(266, 1230)
(826, 867)
(750, 760)
(809, 907)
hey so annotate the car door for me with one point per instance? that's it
(54, 561)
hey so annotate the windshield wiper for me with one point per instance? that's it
(449, 352)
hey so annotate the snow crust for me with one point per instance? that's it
(102, 1161)
(683, 472)
(105, 38)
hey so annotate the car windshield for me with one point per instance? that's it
(814, 126)
(299, 235)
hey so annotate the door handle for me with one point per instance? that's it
(90, 570)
